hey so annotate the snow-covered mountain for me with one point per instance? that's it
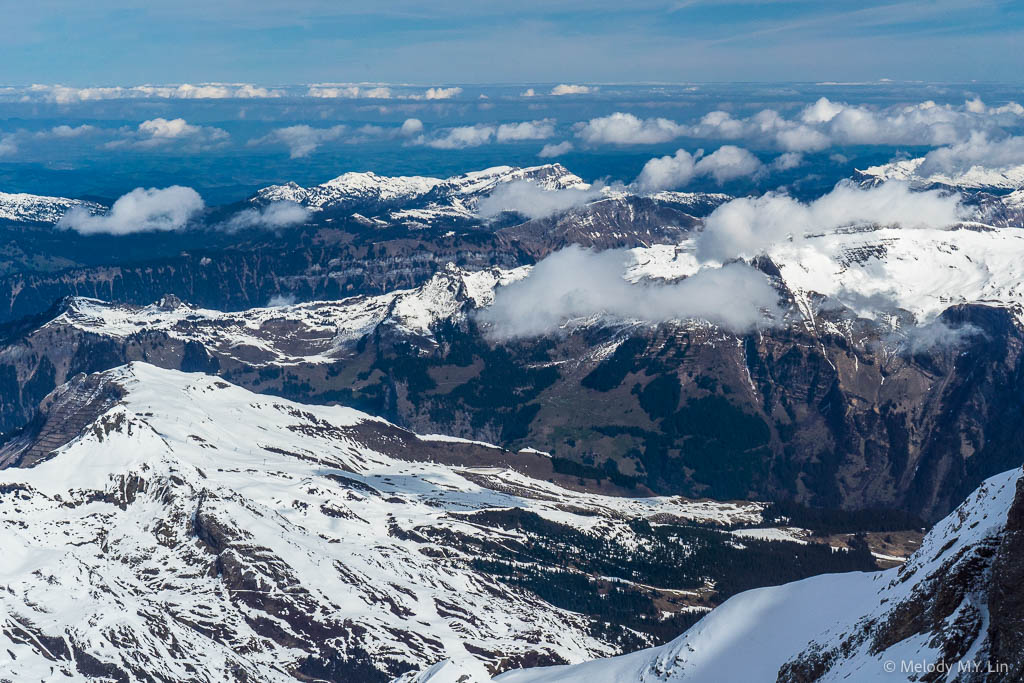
(415, 200)
(976, 177)
(166, 525)
(21, 207)
(309, 333)
(953, 608)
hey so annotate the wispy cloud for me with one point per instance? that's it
(533, 201)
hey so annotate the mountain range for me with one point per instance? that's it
(308, 452)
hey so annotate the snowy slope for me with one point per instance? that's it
(974, 178)
(416, 200)
(192, 530)
(302, 333)
(841, 627)
(39, 209)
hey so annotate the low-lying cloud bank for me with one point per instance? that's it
(575, 283)
(532, 200)
(745, 227)
(141, 210)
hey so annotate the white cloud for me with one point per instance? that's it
(160, 132)
(164, 128)
(821, 111)
(574, 284)
(532, 200)
(626, 129)
(526, 130)
(301, 140)
(555, 150)
(326, 91)
(667, 172)
(825, 123)
(140, 210)
(460, 137)
(441, 93)
(65, 131)
(728, 162)
(787, 161)
(274, 215)
(411, 127)
(567, 89)
(977, 150)
(938, 334)
(62, 94)
(745, 227)
(529, 92)
(670, 172)
(279, 300)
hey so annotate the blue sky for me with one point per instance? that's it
(108, 42)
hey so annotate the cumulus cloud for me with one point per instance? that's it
(728, 162)
(526, 130)
(441, 93)
(745, 227)
(568, 89)
(274, 215)
(575, 283)
(141, 210)
(529, 92)
(555, 150)
(669, 172)
(532, 200)
(411, 127)
(627, 129)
